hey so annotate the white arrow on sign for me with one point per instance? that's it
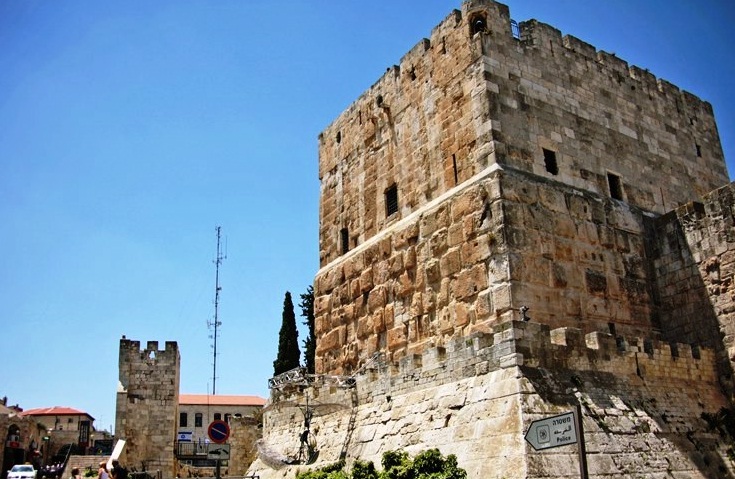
(552, 431)
(218, 451)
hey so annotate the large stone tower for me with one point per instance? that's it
(147, 405)
(499, 167)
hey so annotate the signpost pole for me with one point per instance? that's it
(580, 447)
(217, 471)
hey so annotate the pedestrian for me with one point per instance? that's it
(118, 472)
(75, 474)
(102, 472)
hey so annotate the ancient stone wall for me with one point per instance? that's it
(469, 97)
(147, 405)
(471, 259)
(695, 271)
(642, 403)
(488, 172)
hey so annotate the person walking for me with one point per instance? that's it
(102, 472)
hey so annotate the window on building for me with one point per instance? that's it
(550, 162)
(391, 200)
(344, 239)
(699, 150)
(217, 416)
(70, 420)
(183, 419)
(198, 419)
(227, 417)
(616, 186)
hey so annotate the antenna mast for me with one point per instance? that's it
(216, 323)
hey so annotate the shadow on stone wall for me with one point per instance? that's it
(634, 426)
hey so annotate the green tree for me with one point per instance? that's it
(288, 340)
(307, 312)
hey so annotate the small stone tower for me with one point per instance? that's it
(147, 405)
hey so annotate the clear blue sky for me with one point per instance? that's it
(129, 130)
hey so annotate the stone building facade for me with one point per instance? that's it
(22, 438)
(499, 167)
(147, 405)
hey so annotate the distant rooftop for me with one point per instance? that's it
(221, 400)
(55, 411)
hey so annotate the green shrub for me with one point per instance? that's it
(429, 464)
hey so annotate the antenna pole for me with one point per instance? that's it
(216, 324)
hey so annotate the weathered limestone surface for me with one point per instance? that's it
(641, 401)
(525, 169)
(147, 405)
(695, 271)
(489, 171)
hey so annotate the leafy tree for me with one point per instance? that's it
(288, 340)
(307, 312)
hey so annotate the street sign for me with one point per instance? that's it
(218, 431)
(218, 451)
(552, 431)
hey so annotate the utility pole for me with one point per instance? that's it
(216, 323)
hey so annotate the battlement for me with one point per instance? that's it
(529, 345)
(150, 351)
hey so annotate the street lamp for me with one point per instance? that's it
(47, 440)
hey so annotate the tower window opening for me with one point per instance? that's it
(550, 162)
(699, 150)
(344, 239)
(616, 186)
(454, 166)
(478, 24)
(391, 200)
(339, 137)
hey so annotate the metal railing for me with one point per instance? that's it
(190, 449)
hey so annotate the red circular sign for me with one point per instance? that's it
(218, 431)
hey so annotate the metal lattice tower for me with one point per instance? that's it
(216, 323)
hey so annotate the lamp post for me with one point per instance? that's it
(47, 440)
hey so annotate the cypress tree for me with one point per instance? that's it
(288, 340)
(307, 312)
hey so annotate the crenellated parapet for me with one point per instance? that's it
(528, 345)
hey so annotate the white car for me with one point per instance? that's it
(22, 471)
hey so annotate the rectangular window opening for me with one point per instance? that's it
(616, 186)
(699, 150)
(454, 165)
(344, 238)
(183, 419)
(391, 200)
(198, 419)
(550, 161)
